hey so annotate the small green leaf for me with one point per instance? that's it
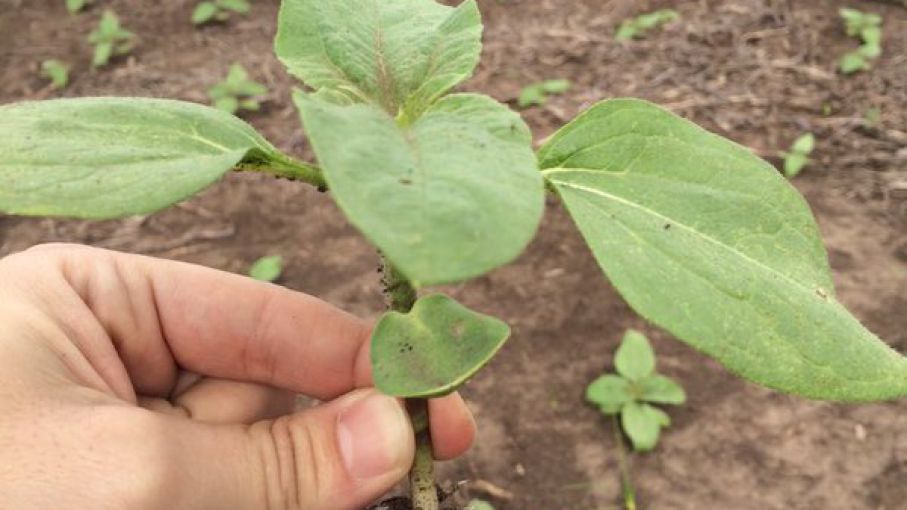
(610, 392)
(74, 6)
(804, 144)
(642, 423)
(556, 86)
(794, 163)
(239, 6)
(660, 389)
(478, 504)
(708, 241)
(450, 197)
(204, 12)
(434, 349)
(227, 104)
(267, 269)
(635, 359)
(661, 417)
(397, 55)
(533, 95)
(110, 157)
(102, 53)
(57, 72)
(872, 36)
(853, 62)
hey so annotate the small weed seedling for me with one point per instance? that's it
(74, 6)
(267, 269)
(537, 93)
(55, 71)
(478, 504)
(219, 10)
(699, 235)
(798, 157)
(110, 39)
(636, 28)
(867, 28)
(632, 392)
(237, 91)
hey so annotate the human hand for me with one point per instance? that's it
(101, 407)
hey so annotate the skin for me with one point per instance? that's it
(129, 382)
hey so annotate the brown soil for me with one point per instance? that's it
(758, 71)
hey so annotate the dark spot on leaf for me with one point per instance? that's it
(667, 226)
(406, 182)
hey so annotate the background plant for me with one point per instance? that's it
(55, 71)
(537, 93)
(110, 39)
(867, 27)
(74, 6)
(447, 187)
(636, 28)
(237, 91)
(219, 10)
(798, 156)
(267, 268)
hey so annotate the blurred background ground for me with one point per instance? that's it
(760, 72)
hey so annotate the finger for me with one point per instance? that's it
(337, 456)
(453, 428)
(221, 401)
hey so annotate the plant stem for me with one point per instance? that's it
(626, 483)
(284, 168)
(401, 296)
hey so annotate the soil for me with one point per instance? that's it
(758, 71)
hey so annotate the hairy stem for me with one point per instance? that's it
(626, 483)
(284, 169)
(401, 296)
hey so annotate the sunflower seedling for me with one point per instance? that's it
(267, 269)
(237, 92)
(55, 71)
(798, 157)
(867, 28)
(110, 40)
(537, 93)
(636, 28)
(698, 234)
(219, 10)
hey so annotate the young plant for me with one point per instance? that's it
(699, 235)
(237, 91)
(632, 392)
(867, 28)
(219, 10)
(267, 269)
(74, 6)
(478, 504)
(537, 93)
(798, 157)
(636, 28)
(110, 39)
(57, 72)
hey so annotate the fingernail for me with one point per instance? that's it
(374, 436)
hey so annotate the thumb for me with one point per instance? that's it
(338, 456)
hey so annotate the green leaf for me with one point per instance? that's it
(204, 12)
(661, 417)
(853, 62)
(708, 241)
(870, 50)
(794, 163)
(556, 86)
(75, 6)
(804, 144)
(227, 104)
(102, 53)
(400, 54)
(662, 390)
(57, 72)
(533, 95)
(267, 269)
(434, 349)
(478, 504)
(635, 359)
(627, 31)
(112, 157)
(610, 392)
(872, 36)
(447, 198)
(642, 423)
(240, 6)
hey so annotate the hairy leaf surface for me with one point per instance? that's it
(447, 198)
(708, 241)
(112, 157)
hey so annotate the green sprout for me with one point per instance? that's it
(55, 71)
(636, 28)
(110, 39)
(478, 504)
(631, 392)
(237, 91)
(267, 269)
(798, 156)
(218, 10)
(537, 93)
(867, 28)
(74, 6)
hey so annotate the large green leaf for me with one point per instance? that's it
(111, 157)
(433, 349)
(447, 198)
(393, 54)
(711, 243)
